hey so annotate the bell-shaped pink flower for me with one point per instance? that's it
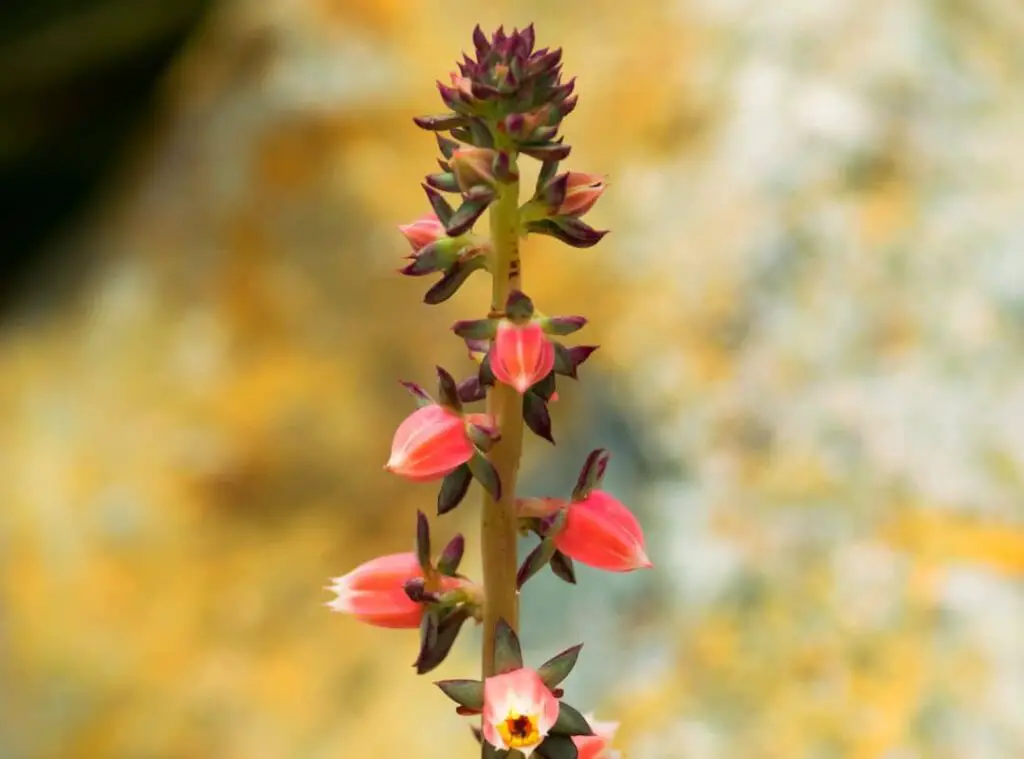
(598, 745)
(602, 533)
(429, 444)
(374, 592)
(581, 192)
(422, 232)
(519, 710)
(522, 355)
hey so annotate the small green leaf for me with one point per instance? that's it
(485, 473)
(441, 123)
(507, 653)
(466, 215)
(453, 279)
(468, 693)
(535, 561)
(570, 722)
(558, 667)
(453, 489)
(475, 329)
(558, 747)
(442, 208)
(444, 181)
(447, 630)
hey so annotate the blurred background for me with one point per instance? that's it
(812, 317)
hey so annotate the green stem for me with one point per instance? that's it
(499, 523)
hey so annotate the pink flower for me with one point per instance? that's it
(522, 355)
(519, 710)
(425, 230)
(374, 592)
(602, 533)
(581, 192)
(431, 443)
(596, 746)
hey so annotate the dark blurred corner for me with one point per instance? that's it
(77, 79)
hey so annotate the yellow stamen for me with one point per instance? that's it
(519, 730)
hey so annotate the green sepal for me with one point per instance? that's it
(476, 329)
(444, 181)
(557, 668)
(535, 561)
(560, 326)
(448, 391)
(518, 307)
(563, 568)
(508, 655)
(451, 556)
(536, 416)
(453, 489)
(473, 205)
(570, 722)
(446, 146)
(558, 747)
(453, 279)
(485, 473)
(423, 542)
(548, 169)
(447, 630)
(591, 474)
(441, 123)
(442, 208)
(468, 693)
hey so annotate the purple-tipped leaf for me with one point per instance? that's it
(570, 722)
(507, 653)
(546, 151)
(447, 631)
(475, 329)
(442, 208)
(535, 561)
(422, 397)
(557, 668)
(471, 391)
(453, 489)
(468, 693)
(567, 229)
(444, 181)
(536, 416)
(423, 542)
(451, 556)
(561, 326)
(466, 215)
(447, 390)
(452, 280)
(563, 568)
(485, 473)
(519, 307)
(441, 123)
(591, 474)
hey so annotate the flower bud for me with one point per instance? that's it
(423, 231)
(519, 711)
(581, 192)
(596, 746)
(474, 167)
(375, 591)
(602, 533)
(431, 443)
(522, 355)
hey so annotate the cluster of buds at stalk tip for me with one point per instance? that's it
(506, 102)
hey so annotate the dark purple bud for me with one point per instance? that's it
(441, 123)
(480, 42)
(482, 91)
(503, 169)
(471, 391)
(416, 590)
(562, 92)
(545, 62)
(567, 106)
(529, 37)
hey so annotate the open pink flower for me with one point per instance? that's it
(598, 745)
(519, 710)
(581, 192)
(522, 355)
(425, 230)
(602, 533)
(374, 592)
(430, 443)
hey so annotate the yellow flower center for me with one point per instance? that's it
(519, 730)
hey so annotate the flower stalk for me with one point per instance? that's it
(498, 523)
